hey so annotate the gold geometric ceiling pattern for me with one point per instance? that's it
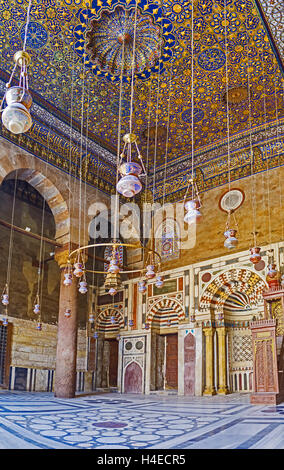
(228, 36)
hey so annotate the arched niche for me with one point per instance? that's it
(133, 378)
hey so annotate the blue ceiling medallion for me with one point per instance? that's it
(212, 59)
(198, 115)
(125, 108)
(107, 29)
(37, 35)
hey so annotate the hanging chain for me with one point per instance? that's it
(253, 197)
(191, 180)
(167, 137)
(156, 122)
(265, 132)
(192, 98)
(133, 67)
(27, 25)
(155, 150)
(116, 211)
(70, 153)
(227, 100)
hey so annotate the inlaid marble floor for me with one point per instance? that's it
(114, 421)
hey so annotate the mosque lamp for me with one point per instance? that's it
(130, 185)
(231, 240)
(192, 206)
(16, 116)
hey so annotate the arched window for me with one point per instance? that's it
(167, 239)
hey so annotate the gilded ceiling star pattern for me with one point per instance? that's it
(57, 45)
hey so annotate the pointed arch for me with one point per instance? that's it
(133, 378)
(167, 239)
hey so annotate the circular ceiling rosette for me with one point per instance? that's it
(108, 32)
(105, 41)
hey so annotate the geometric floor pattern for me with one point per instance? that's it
(115, 421)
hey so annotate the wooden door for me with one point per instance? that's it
(189, 364)
(113, 362)
(172, 361)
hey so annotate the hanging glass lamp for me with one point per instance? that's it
(255, 254)
(67, 313)
(16, 116)
(159, 281)
(129, 185)
(231, 240)
(5, 295)
(142, 287)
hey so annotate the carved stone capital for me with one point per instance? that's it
(208, 331)
(62, 255)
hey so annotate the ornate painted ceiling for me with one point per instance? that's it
(76, 49)
(272, 12)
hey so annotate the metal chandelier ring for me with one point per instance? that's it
(114, 244)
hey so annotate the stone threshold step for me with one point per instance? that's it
(107, 390)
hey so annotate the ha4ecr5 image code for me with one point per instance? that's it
(161, 459)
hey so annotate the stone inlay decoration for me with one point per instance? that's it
(105, 316)
(133, 364)
(238, 287)
(242, 348)
(163, 310)
(110, 425)
(237, 302)
(240, 355)
(134, 345)
(58, 424)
